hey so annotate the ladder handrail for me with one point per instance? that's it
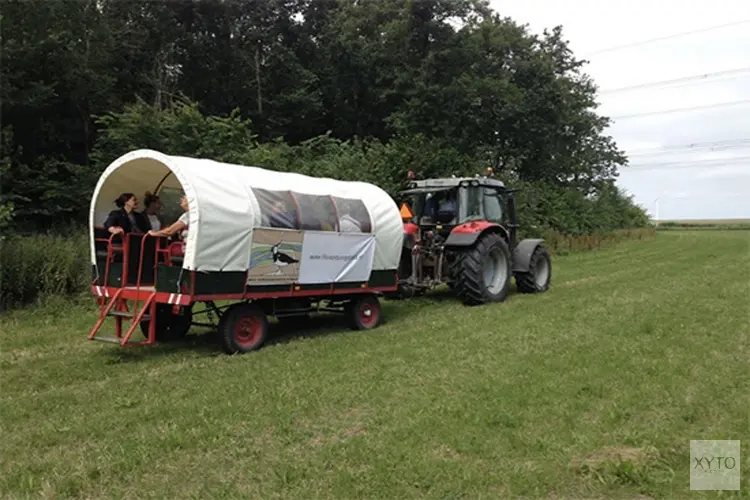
(109, 255)
(140, 271)
(125, 259)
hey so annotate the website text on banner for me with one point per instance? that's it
(336, 258)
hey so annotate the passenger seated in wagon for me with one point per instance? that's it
(280, 217)
(153, 206)
(179, 227)
(125, 219)
(348, 222)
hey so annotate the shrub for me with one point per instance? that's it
(561, 244)
(36, 267)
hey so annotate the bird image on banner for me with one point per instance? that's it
(281, 259)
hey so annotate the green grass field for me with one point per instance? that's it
(722, 224)
(706, 222)
(593, 389)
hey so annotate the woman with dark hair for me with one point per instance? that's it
(153, 210)
(126, 219)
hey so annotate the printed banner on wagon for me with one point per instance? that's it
(284, 256)
(336, 258)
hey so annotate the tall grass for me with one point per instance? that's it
(36, 267)
(720, 225)
(562, 244)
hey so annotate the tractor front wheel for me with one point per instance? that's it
(483, 272)
(537, 279)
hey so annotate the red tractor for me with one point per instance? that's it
(462, 232)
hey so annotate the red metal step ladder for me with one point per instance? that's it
(117, 306)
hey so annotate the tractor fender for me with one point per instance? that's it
(467, 234)
(522, 254)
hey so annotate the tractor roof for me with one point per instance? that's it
(441, 184)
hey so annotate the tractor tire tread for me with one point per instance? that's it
(526, 282)
(469, 285)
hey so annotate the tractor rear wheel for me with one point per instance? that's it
(483, 272)
(537, 278)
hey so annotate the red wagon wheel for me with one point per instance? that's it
(244, 328)
(364, 312)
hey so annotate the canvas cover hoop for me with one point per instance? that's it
(223, 209)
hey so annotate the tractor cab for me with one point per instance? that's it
(443, 204)
(432, 206)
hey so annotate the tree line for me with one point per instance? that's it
(325, 87)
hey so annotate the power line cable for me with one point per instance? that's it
(700, 78)
(692, 147)
(682, 110)
(717, 162)
(667, 37)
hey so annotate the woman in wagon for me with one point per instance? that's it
(153, 210)
(179, 227)
(125, 219)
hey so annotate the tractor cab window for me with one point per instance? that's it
(471, 204)
(416, 203)
(441, 206)
(493, 205)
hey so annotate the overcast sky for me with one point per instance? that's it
(714, 143)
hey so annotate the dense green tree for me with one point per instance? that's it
(328, 87)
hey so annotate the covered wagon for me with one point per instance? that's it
(256, 243)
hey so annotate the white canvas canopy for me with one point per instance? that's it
(224, 209)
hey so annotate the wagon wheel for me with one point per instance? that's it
(169, 326)
(364, 312)
(244, 328)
